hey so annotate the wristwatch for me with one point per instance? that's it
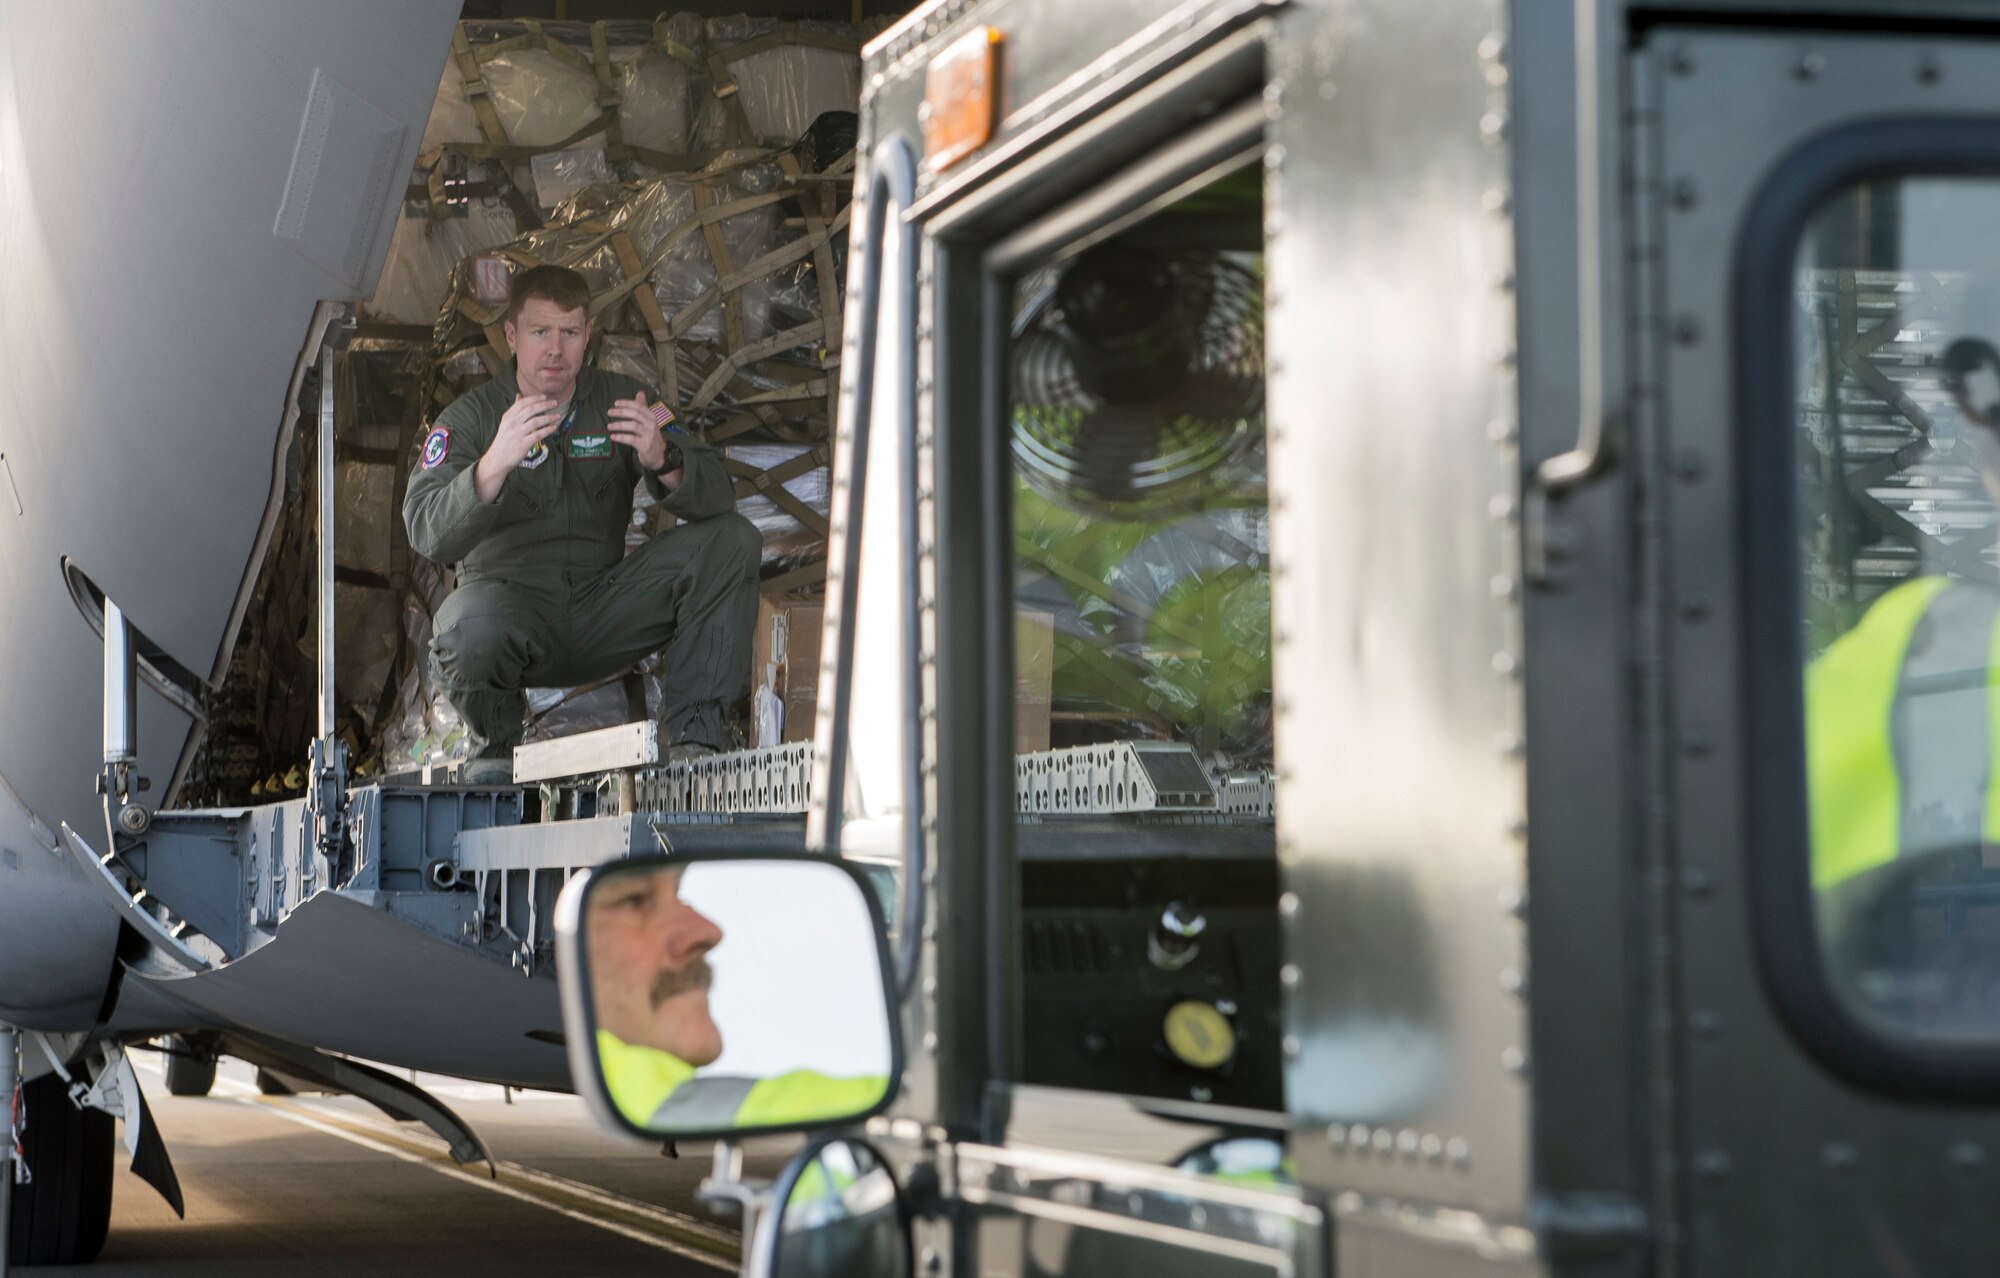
(673, 461)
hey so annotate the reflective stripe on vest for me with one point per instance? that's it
(715, 1102)
(1900, 724)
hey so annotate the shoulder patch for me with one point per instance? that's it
(436, 445)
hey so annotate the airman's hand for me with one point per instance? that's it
(527, 422)
(632, 425)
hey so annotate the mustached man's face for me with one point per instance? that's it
(548, 344)
(649, 966)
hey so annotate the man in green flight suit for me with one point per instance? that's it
(649, 981)
(526, 484)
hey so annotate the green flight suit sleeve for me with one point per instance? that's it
(706, 489)
(442, 512)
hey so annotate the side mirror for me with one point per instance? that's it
(836, 1210)
(713, 996)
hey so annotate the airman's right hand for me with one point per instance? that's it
(527, 422)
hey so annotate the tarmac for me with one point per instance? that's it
(328, 1185)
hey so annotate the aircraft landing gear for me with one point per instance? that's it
(62, 1215)
(190, 1068)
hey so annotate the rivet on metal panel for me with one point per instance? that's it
(1929, 69)
(1288, 905)
(1198, 1214)
(1506, 665)
(1274, 92)
(1433, 1148)
(1700, 883)
(1696, 743)
(1357, 1138)
(1291, 1047)
(1966, 1156)
(1514, 1061)
(1705, 1022)
(1503, 508)
(1510, 745)
(1288, 976)
(1504, 357)
(1493, 127)
(1493, 48)
(1810, 65)
(1274, 156)
(1408, 1143)
(1503, 432)
(1681, 61)
(1690, 467)
(1336, 1137)
(931, 1042)
(1503, 281)
(1517, 829)
(1687, 329)
(1695, 607)
(1684, 193)
(1838, 1155)
(1514, 981)
(1459, 1152)
(1497, 202)
(1513, 901)
(930, 987)
(1383, 1141)
(1505, 588)
(1711, 1164)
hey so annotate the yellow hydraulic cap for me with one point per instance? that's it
(1199, 1035)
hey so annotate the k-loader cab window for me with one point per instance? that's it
(1897, 288)
(1146, 938)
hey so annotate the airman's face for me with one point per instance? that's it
(548, 344)
(649, 966)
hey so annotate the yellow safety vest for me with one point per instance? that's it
(1862, 798)
(658, 1091)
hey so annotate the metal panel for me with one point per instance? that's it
(1396, 642)
(1086, 1215)
(354, 979)
(556, 845)
(1059, 61)
(625, 745)
(1844, 1182)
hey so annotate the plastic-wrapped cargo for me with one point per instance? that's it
(528, 113)
(1162, 626)
(772, 79)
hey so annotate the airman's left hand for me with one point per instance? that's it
(632, 424)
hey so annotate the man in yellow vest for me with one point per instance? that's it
(650, 978)
(1903, 767)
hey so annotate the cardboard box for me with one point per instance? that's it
(784, 673)
(1034, 676)
(784, 670)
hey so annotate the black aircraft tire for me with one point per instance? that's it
(61, 1218)
(187, 1073)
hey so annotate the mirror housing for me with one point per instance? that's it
(718, 995)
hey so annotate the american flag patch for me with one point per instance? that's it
(662, 415)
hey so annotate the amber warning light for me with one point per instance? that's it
(958, 108)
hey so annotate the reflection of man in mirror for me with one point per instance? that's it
(649, 986)
(649, 966)
(1902, 748)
